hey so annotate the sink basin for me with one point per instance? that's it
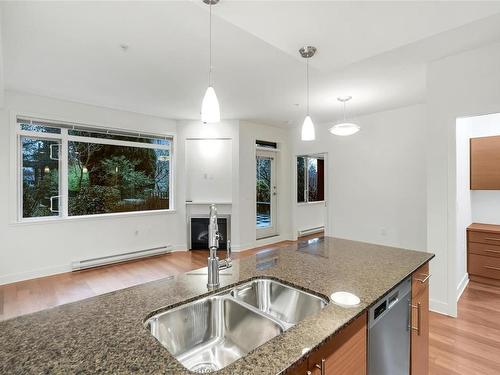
(285, 303)
(209, 334)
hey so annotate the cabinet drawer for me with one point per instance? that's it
(484, 249)
(481, 265)
(420, 279)
(484, 237)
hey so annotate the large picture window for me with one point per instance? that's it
(310, 179)
(67, 171)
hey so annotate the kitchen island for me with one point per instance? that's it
(106, 334)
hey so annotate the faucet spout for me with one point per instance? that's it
(214, 265)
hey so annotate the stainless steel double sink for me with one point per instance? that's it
(208, 334)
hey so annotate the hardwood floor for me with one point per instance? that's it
(468, 345)
(42, 293)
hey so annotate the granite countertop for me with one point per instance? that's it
(105, 334)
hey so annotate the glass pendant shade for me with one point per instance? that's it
(344, 129)
(308, 133)
(210, 111)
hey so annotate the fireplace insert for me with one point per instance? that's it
(199, 233)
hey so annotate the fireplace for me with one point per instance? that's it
(199, 232)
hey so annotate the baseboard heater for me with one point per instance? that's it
(102, 261)
(305, 232)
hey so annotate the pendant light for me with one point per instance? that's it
(308, 133)
(210, 111)
(344, 128)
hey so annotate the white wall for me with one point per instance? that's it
(464, 216)
(485, 206)
(2, 93)
(376, 178)
(209, 170)
(466, 84)
(249, 133)
(34, 249)
(310, 215)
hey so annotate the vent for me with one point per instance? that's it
(306, 232)
(266, 144)
(118, 258)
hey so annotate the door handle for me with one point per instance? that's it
(51, 151)
(321, 366)
(418, 306)
(424, 279)
(51, 199)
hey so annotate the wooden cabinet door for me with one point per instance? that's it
(345, 353)
(485, 163)
(299, 369)
(420, 322)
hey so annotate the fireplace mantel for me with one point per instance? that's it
(200, 203)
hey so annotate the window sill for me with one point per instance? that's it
(118, 215)
(310, 203)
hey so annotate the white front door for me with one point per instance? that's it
(266, 194)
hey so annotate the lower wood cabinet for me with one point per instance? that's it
(420, 321)
(345, 354)
(483, 253)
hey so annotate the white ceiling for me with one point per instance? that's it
(374, 51)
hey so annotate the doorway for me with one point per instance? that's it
(311, 210)
(266, 194)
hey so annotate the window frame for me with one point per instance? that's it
(64, 138)
(306, 181)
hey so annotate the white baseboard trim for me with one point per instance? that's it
(462, 285)
(439, 307)
(33, 274)
(181, 247)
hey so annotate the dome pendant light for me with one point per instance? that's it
(210, 111)
(344, 128)
(308, 133)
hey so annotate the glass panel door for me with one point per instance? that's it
(266, 193)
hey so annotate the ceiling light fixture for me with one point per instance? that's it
(308, 133)
(344, 128)
(210, 111)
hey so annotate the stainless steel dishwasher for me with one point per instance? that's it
(389, 333)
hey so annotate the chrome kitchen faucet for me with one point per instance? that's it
(214, 264)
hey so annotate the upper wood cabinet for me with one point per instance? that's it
(485, 163)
